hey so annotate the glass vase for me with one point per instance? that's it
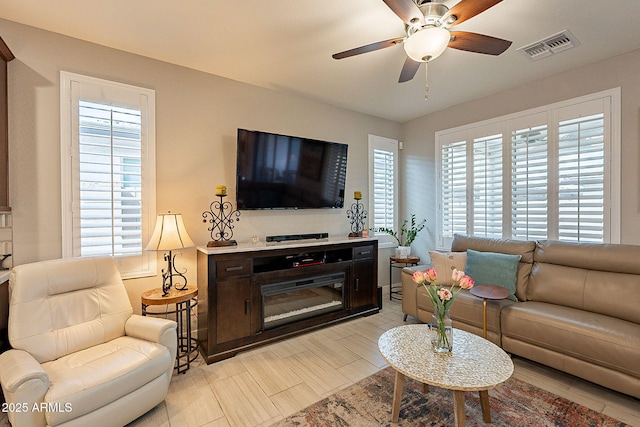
(442, 331)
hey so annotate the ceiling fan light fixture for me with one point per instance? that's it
(427, 43)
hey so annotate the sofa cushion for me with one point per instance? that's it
(445, 262)
(490, 268)
(466, 313)
(592, 337)
(462, 242)
(468, 309)
(94, 377)
(600, 278)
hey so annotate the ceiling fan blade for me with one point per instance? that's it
(409, 70)
(368, 48)
(479, 43)
(407, 10)
(467, 9)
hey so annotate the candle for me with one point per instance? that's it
(221, 190)
(357, 195)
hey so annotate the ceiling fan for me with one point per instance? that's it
(427, 25)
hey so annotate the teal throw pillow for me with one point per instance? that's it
(490, 268)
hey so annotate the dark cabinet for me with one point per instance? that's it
(233, 317)
(5, 57)
(253, 296)
(364, 273)
(363, 276)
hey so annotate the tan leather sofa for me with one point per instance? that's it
(80, 357)
(578, 308)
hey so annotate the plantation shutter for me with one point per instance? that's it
(581, 172)
(108, 171)
(487, 186)
(383, 189)
(529, 183)
(553, 170)
(453, 194)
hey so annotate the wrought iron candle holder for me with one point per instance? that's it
(357, 215)
(222, 218)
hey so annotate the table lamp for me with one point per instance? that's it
(170, 234)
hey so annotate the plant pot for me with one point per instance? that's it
(403, 251)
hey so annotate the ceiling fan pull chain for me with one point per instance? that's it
(426, 81)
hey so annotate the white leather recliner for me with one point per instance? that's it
(80, 357)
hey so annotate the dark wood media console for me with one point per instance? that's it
(248, 295)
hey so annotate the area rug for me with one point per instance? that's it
(514, 403)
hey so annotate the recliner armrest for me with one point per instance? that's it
(149, 328)
(155, 329)
(17, 367)
(24, 383)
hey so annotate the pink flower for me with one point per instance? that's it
(419, 277)
(457, 275)
(431, 275)
(466, 282)
(445, 294)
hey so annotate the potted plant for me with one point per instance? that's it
(408, 233)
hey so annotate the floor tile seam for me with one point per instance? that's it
(330, 360)
(304, 376)
(222, 404)
(259, 382)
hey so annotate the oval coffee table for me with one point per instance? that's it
(475, 364)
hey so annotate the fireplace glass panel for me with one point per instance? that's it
(291, 301)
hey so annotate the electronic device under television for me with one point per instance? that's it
(288, 172)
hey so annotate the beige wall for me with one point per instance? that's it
(621, 71)
(197, 115)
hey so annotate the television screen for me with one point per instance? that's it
(289, 172)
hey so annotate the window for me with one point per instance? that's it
(547, 173)
(108, 171)
(383, 168)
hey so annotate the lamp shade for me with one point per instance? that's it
(427, 43)
(169, 234)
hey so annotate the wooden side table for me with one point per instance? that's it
(399, 263)
(488, 292)
(184, 300)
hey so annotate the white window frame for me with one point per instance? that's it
(391, 146)
(116, 94)
(611, 100)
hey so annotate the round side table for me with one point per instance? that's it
(184, 300)
(488, 292)
(394, 293)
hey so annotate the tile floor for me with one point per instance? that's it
(266, 384)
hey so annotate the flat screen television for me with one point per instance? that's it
(288, 172)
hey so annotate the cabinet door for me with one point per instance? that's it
(233, 306)
(364, 288)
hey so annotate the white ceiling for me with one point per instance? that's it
(287, 44)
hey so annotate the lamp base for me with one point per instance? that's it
(354, 234)
(218, 243)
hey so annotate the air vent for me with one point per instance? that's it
(553, 44)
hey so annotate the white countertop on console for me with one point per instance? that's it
(4, 275)
(262, 246)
